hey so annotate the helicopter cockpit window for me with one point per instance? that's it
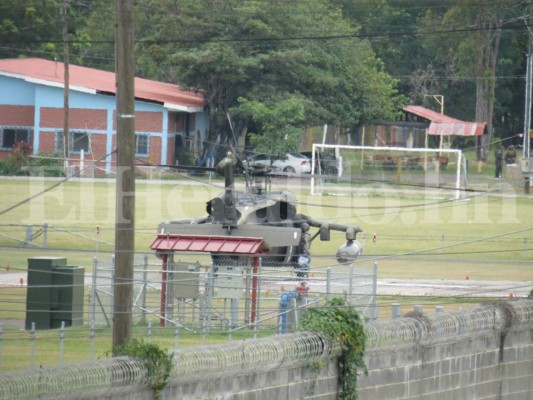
(286, 210)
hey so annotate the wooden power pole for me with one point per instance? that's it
(125, 183)
(528, 100)
(66, 82)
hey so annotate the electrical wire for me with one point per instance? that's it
(214, 39)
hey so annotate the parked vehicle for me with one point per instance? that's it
(294, 163)
(309, 155)
(325, 162)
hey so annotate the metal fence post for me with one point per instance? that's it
(145, 285)
(293, 315)
(417, 308)
(61, 343)
(112, 287)
(29, 234)
(350, 289)
(258, 301)
(32, 339)
(328, 283)
(396, 311)
(1, 339)
(176, 337)
(208, 307)
(149, 332)
(247, 285)
(231, 322)
(439, 309)
(91, 337)
(45, 234)
(374, 314)
(93, 291)
(225, 318)
(202, 314)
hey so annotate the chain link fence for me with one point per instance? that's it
(232, 294)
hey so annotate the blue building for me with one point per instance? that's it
(169, 121)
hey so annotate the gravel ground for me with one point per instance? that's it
(390, 287)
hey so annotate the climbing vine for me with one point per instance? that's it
(157, 361)
(341, 324)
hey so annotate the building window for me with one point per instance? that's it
(10, 136)
(142, 145)
(77, 141)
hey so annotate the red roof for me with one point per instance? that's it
(209, 244)
(47, 72)
(428, 114)
(441, 124)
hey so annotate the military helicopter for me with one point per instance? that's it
(260, 212)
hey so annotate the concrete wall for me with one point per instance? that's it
(473, 367)
(481, 353)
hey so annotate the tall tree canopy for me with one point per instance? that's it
(34, 28)
(475, 54)
(469, 51)
(266, 52)
(346, 62)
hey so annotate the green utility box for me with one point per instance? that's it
(54, 294)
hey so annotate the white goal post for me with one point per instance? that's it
(343, 162)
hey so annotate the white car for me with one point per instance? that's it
(294, 163)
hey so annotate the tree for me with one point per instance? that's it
(33, 29)
(281, 126)
(390, 26)
(98, 30)
(28, 28)
(266, 52)
(475, 54)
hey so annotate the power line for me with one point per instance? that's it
(214, 39)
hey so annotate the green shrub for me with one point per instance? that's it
(19, 162)
(50, 165)
(185, 157)
(7, 167)
(341, 324)
(157, 361)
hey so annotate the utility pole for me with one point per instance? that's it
(528, 100)
(527, 116)
(66, 82)
(125, 183)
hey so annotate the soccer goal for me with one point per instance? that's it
(344, 168)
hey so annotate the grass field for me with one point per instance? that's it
(486, 235)
(483, 227)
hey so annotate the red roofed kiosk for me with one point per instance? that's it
(166, 244)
